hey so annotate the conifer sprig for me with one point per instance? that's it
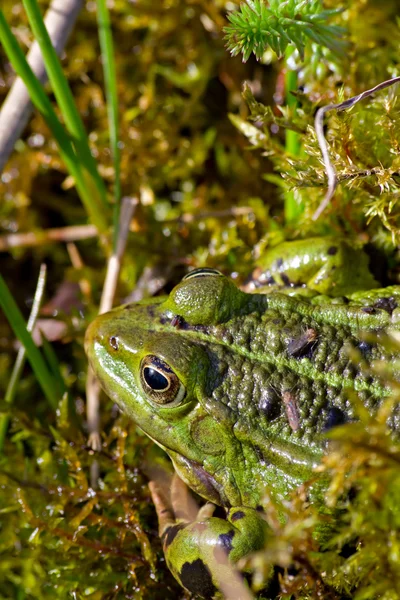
(257, 25)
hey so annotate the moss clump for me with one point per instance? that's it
(213, 190)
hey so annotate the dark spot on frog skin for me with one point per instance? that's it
(285, 279)
(369, 310)
(150, 310)
(164, 319)
(225, 540)
(269, 404)
(388, 304)
(302, 346)
(114, 342)
(335, 417)
(332, 250)
(196, 577)
(185, 326)
(170, 534)
(279, 263)
(292, 411)
(260, 455)
(239, 514)
(177, 321)
(364, 348)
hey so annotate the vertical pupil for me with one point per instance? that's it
(155, 379)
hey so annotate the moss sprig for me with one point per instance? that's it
(256, 25)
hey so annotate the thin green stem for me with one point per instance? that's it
(110, 78)
(4, 422)
(293, 209)
(20, 360)
(43, 104)
(33, 353)
(292, 137)
(52, 361)
(66, 102)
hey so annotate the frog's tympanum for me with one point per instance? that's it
(240, 388)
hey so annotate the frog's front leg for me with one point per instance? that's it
(329, 266)
(201, 553)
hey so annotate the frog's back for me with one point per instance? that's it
(288, 369)
(238, 388)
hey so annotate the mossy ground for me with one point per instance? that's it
(205, 198)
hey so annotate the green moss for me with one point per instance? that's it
(211, 189)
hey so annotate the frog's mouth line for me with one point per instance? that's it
(203, 484)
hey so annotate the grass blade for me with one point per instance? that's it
(110, 78)
(33, 353)
(20, 360)
(43, 104)
(293, 210)
(65, 100)
(54, 366)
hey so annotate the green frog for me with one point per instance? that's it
(240, 387)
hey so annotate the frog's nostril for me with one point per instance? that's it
(114, 342)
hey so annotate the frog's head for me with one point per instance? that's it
(152, 359)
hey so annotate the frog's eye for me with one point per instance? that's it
(203, 272)
(159, 382)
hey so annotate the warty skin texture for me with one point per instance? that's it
(240, 388)
(260, 388)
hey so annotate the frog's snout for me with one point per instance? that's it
(95, 334)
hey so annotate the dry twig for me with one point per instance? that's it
(17, 107)
(72, 233)
(114, 264)
(319, 130)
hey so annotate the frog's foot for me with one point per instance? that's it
(326, 265)
(200, 549)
